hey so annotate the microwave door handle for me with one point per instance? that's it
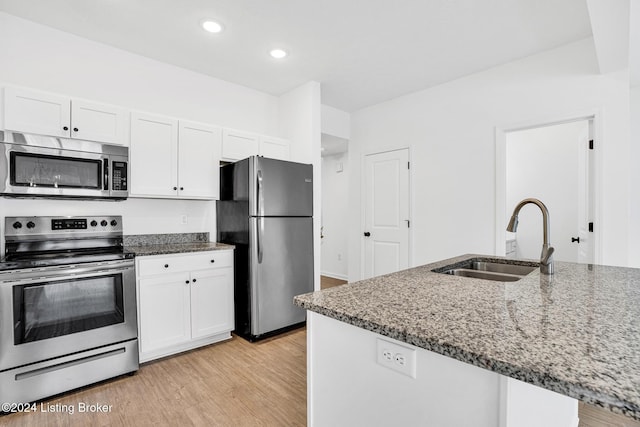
(106, 174)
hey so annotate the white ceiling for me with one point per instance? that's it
(361, 51)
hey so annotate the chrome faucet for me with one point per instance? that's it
(546, 257)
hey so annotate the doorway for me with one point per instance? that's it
(334, 242)
(386, 212)
(553, 163)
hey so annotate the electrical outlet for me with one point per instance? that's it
(397, 357)
(183, 219)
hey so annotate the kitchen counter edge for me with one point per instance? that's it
(176, 248)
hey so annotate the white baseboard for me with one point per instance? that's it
(334, 275)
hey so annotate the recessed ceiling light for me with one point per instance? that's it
(212, 26)
(278, 53)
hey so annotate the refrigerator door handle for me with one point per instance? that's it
(259, 196)
(259, 238)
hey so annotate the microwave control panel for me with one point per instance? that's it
(119, 176)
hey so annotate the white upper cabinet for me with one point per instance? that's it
(238, 145)
(31, 111)
(36, 112)
(199, 151)
(274, 148)
(174, 159)
(97, 122)
(153, 155)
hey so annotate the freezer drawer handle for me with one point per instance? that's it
(259, 240)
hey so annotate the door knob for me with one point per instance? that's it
(367, 234)
(575, 239)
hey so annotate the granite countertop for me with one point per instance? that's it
(163, 244)
(175, 248)
(576, 332)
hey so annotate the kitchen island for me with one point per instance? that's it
(543, 343)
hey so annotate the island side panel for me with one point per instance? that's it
(347, 387)
(526, 405)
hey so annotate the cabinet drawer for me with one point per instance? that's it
(152, 265)
(211, 259)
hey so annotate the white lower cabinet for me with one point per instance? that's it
(184, 301)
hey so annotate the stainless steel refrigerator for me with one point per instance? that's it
(266, 211)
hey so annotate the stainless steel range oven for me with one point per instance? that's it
(67, 305)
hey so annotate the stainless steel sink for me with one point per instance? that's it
(500, 270)
(494, 267)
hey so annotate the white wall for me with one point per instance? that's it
(543, 163)
(335, 201)
(299, 120)
(451, 131)
(47, 59)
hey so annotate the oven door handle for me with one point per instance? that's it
(79, 273)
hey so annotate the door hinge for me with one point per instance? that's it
(408, 165)
(591, 227)
(591, 144)
(408, 223)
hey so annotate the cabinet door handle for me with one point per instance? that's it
(65, 128)
(166, 266)
(175, 188)
(194, 280)
(181, 188)
(75, 129)
(186, 281)
(213, 260)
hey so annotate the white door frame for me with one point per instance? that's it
(363, 177)
(501, 174)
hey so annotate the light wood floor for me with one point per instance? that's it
(591, 416)
(234, 383)
(330, 282)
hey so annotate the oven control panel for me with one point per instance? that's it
(67, 225)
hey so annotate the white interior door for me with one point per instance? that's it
(551, 163)
(386, 231)
(586, 247)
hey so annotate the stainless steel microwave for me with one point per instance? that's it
(46, 166)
